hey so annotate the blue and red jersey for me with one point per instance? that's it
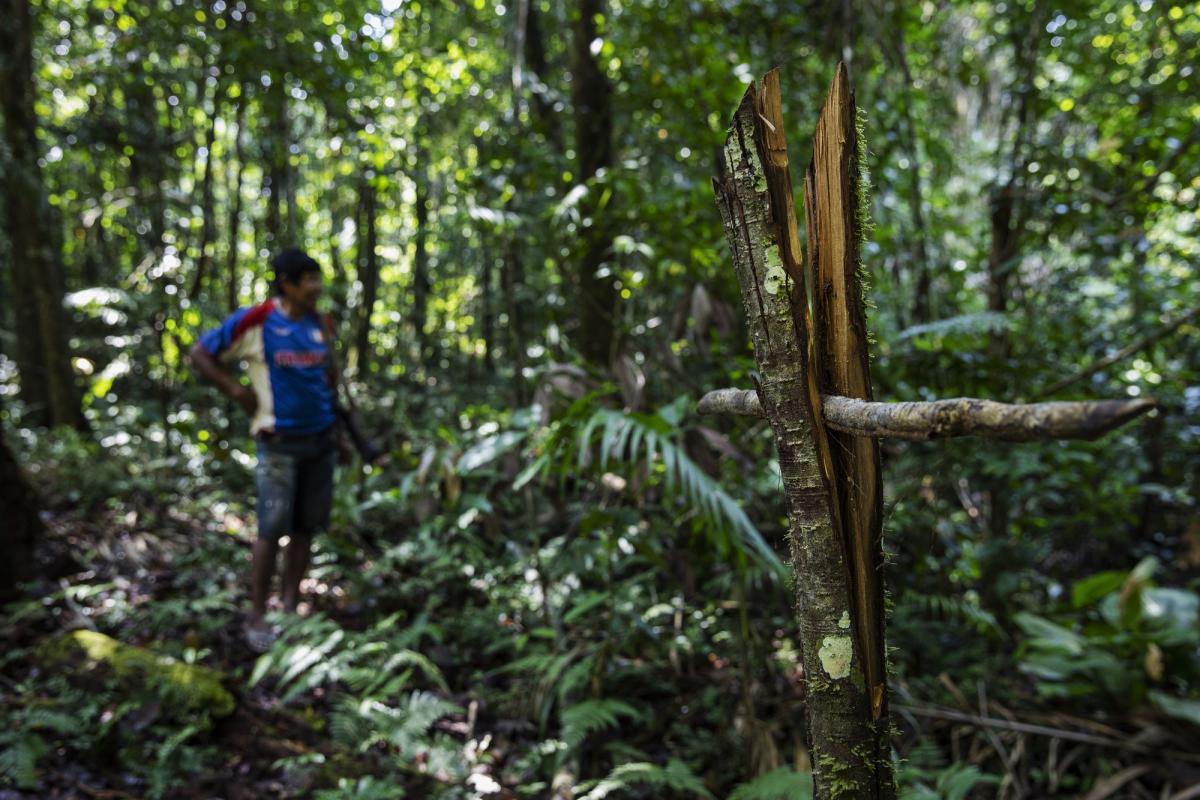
(288, 364)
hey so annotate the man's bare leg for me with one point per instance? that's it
(295, 564)
(262, 568)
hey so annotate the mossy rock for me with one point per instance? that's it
(194, 688)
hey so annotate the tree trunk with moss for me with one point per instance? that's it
(832, 499)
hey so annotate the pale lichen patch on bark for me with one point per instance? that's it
(836, 653)
(775, 276)
(844, 622)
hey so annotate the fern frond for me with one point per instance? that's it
(675, 776)
(591, 716)
(960, 325)
(778, 784)
(622, 435)
(18, 759)
(952, 607)
(958, 781)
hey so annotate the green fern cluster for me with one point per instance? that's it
(925, 776)
(973, 324)
(676, 777)
(377, 663)
(589, 435)
(364, 723)
(938, 606)
(783, 783)
(591, 716)
(24, 743)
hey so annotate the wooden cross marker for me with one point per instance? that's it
(808, 326)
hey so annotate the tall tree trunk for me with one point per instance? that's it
(294, 226)
(235, 206)
(208, 215)
(512, 276)
(533, 49)
(368, 276)
(146, 162)
(591, 96)
(919, 249)
(1003, 251)
(43, 354)
(276, 145)
(421, 282)
(22, 526)
(487, 312)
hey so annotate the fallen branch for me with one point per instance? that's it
(962, 416)
(951, 715)
(743, 402)
(1123, 353)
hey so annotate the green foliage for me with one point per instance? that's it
(675, 779)
(68, 710)
(925, 776)
(364, 788)
(364, 723)
(783, 783)
(192, 687)
(22, 744)
(591, 716)
(601, 622)
(376, 662)
(1123, 638)
(648, 441)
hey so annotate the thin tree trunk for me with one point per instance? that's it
(208, 223)
(487, 315)
(368, 276)
(276, 156)
(235, 208)
(1003, 251)
(284, 124)
(146, 161)
(43, 354)
(533, 48)
(512, 277)
(591, 96)
(922, 308)
(421, 283)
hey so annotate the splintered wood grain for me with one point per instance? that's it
(842, 365)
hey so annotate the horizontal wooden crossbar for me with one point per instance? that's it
(960, 416)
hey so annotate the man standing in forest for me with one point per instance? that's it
(291, 397)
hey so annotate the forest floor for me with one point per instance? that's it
(384, 618)
(175, 584)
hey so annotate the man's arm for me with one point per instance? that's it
(210, 369)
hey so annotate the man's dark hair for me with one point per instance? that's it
(290, 265)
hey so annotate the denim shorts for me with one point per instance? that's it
(295, 484)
